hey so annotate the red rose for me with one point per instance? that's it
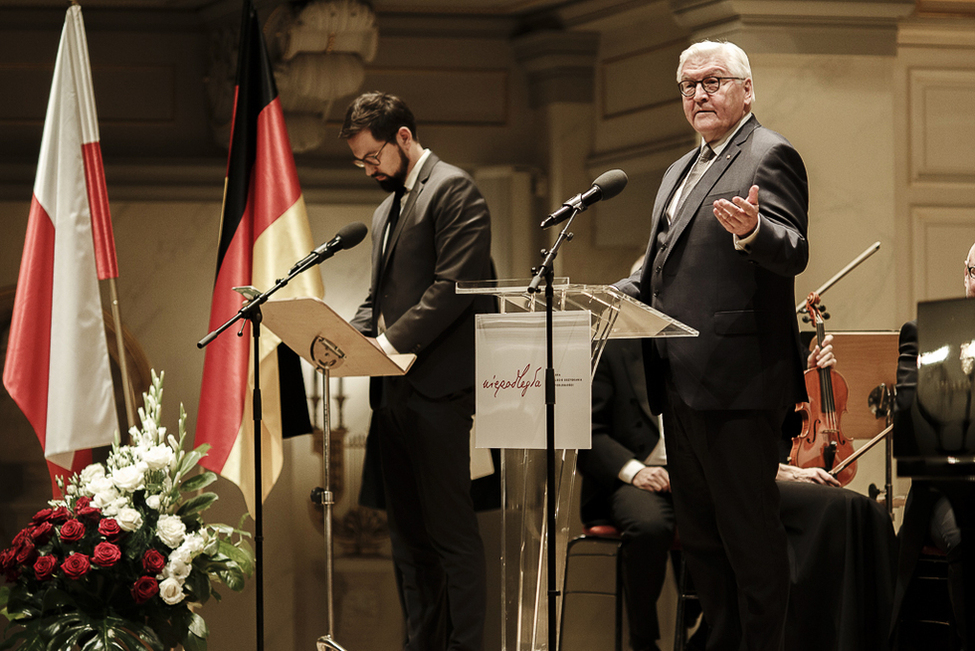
(60, 514)
(106, 554)
(88, 512)
(8, 564)
(109, 528)
(44, 567)
(43, 515)
(82, 502)
(72, 531)
(42, 532)
(76, 566)
(22, 536)
(144, 589)
(26, 553)
(153, 561)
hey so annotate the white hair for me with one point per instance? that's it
(730, 55)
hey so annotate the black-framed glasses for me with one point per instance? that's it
(370, 159)
(971, 271)
(710, 85)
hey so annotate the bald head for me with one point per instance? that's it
(969, 281)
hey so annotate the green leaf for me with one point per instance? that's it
(199, 503)
(239, 554)
(232, 577)
(198, 627)
(198, 482)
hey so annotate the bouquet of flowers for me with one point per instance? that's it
(125, 559)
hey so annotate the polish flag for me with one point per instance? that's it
(57, 365)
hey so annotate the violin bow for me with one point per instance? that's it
(873, 248)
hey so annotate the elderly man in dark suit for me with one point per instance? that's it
(728, 237)
(433, 231)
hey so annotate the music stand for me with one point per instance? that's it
(325, 340)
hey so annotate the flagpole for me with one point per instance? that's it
(123, 363)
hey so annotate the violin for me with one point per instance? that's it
(821, 443)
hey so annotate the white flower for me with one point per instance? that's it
(178, 568)
(193, 544)
(154, 502)
(99, 484)
(130, 478)
(91, 473)
(103, 499)
(159, 457)
(171, 530)
(171, 591)
(129, 519)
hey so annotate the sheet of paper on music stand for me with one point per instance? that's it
(509, 381)
(325, 340)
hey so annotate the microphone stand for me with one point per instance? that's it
(546, 271)
(251, 311)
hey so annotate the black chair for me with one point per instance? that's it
(606, 541)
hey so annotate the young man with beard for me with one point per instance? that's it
(433, 231)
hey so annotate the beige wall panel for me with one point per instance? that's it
(942, 141)
(838, 112)
(448, 96)
(640, 80)
(942, 237)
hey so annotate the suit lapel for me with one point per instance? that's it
(668, 185)
(406, 213)
(695, 199)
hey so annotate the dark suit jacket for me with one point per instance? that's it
(742, 303)
(443, 236)
(622, 426)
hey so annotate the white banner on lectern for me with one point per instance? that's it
(510, 380)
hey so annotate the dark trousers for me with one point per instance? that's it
(437, 548)
(722, 467)
(646, 521)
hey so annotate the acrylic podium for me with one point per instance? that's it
(524, 575)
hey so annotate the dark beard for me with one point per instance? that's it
(398, 179)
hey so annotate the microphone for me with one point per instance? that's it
(606, 186)
(347, 237)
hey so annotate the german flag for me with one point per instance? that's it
(263, 232)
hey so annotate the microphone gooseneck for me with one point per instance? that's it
(606, 186)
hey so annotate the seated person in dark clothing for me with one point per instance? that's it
(928, 516)
(625, 483)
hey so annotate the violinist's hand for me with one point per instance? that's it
(805, 475)
(652, 478)
(822, 358)
(740, 215)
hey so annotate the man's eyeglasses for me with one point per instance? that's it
(971, 271)
(711, 85)
(370, 159)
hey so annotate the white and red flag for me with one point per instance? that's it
(263, 231)
(57, 365)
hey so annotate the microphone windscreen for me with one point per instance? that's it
(611, 183)
(352, 234)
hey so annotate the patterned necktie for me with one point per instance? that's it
(700, 165)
